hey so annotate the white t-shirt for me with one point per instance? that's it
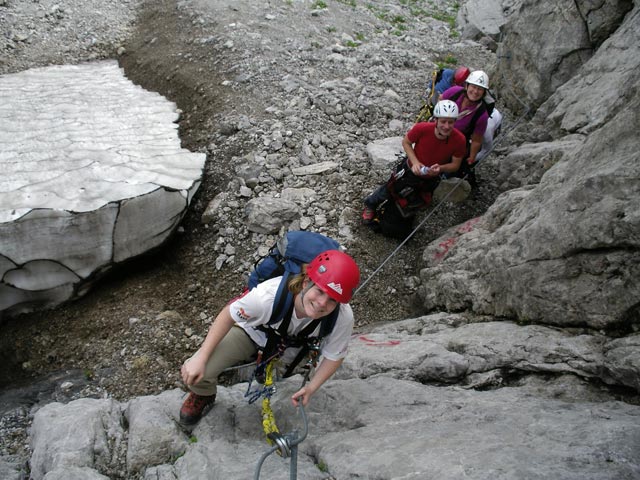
(254, 309)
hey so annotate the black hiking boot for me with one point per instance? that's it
(473, 180)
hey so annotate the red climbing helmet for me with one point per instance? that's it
(336, 273)
(460, 75)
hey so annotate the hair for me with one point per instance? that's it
(295, 283)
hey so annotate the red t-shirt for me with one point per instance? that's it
(430, 150)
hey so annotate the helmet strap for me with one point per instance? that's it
(306, 289)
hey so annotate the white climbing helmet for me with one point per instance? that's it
(445, 109)
(479, 78)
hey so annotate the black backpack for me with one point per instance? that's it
(392, 222)
(285, 259)
(407, 194)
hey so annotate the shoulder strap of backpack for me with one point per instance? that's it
(328, 322)
(456, 95)
(476, 115)
(281, 310)
(283, 301)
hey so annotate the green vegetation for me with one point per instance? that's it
(318, 5)
(377, 12)
(360, 36)
(524, 321)
(448, 61)
(351, 44)
(351, 3)
(193, 439)
(323, 467)
(175, 457)
(399, 24)
(417, 9)
(443, 17)
(331, 29)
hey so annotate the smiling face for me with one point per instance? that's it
(313, 302)
(474, 92)
(444, 127)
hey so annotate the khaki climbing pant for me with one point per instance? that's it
(236, 347)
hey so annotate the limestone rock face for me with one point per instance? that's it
(478, 18)
(600, 89)
(526, 164)
(393, 394)
(145, 423)
(93, 175)
(565, 251)
(546, 43)
(70, 446)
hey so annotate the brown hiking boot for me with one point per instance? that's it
(194, 407)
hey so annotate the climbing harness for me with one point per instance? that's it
(262, 368)
(312, 362)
